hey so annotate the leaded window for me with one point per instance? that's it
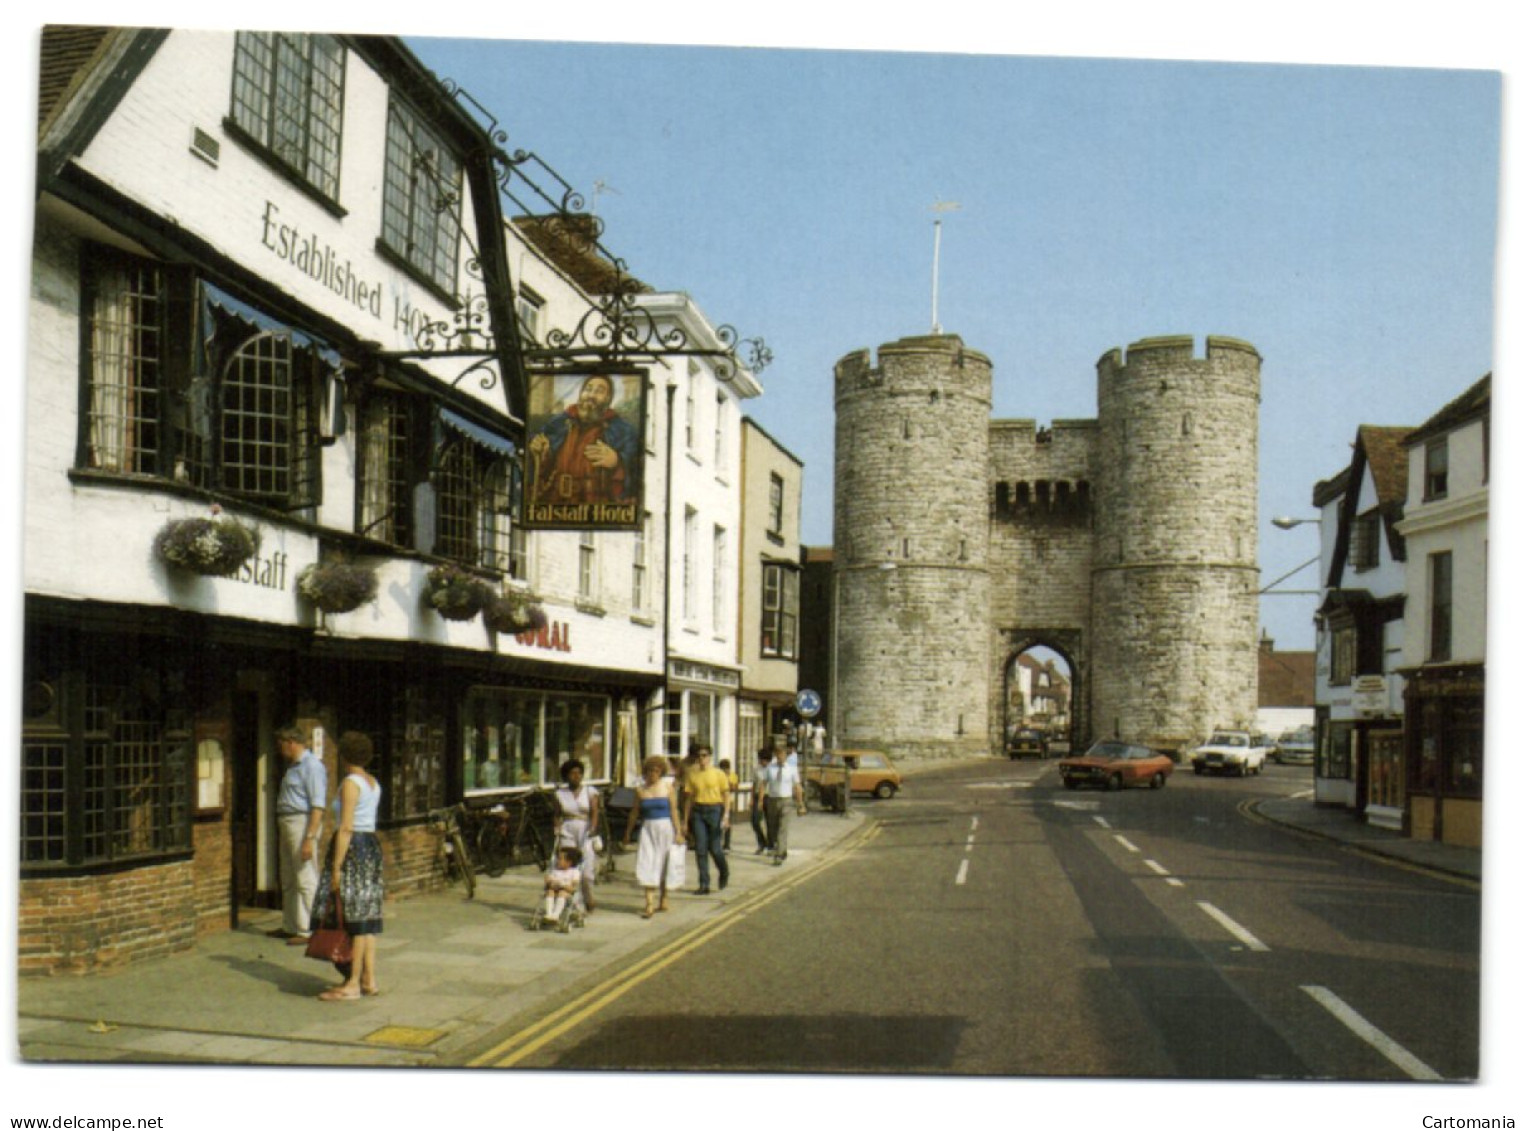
(386, 473)
(475, 495)
(105, 766)
(421, 199)
(288, 97)
(125, 301)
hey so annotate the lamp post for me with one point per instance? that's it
(1287, 522)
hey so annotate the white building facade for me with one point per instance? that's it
(1446, 527)
(694, 495)
(1359, 705)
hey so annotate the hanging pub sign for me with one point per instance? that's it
(584, 456)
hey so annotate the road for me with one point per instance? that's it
(989, 922)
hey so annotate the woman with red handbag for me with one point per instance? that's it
(353, 869)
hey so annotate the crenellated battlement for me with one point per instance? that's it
(1130, 537)
(1177, 353)
(929, 366)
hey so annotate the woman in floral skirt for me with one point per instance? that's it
(354, 869)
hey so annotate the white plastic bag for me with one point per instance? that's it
(677, 859)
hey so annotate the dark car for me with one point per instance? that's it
(1113, 765)
(1027, 740)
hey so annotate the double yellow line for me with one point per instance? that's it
(527, 1042)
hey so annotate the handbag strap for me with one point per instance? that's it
(338, 911)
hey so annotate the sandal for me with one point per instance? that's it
(337, 994)
(374, 991)
(646, 914)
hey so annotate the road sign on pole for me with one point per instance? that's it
(808, 703)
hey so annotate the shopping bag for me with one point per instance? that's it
(677, 857)
(331, 943)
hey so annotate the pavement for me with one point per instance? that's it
(456, 972)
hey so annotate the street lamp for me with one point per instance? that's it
(1287, 522)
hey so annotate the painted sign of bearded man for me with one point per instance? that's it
(584, 455)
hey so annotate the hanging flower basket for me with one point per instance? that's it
(514, 611)
(213, 547)
(454, 593)
(337, 587)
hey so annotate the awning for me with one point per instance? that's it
(490, 440)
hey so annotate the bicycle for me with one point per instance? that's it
(510, 829)
(446, 823)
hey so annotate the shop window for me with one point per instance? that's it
(781, 611)
(577, 727)
(416, 768)
(241, 413)
(688, 719)
(288, 100)
(106, 773)
(421, 200)
(519, 739)
(1335, 752)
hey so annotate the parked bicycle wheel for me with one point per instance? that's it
(495, 848)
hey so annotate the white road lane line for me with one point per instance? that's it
(1158, 869)
(1103, 821)
(974, 823)
(1173, 882)
(1123, 840)
(1251, 941)
(969, 843)
(1396, 1053)
(964, 870)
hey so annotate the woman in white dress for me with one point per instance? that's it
(577, 822)
(657, 805)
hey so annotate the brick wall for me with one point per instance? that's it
(89, 924)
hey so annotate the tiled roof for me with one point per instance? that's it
(66, 55)
(570, 242)
(1285, 679)
(1388, 460)
(1471, 404)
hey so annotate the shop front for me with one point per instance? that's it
(1444, 753)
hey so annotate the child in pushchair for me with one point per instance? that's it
(562, 904)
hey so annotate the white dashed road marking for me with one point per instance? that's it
(1251, 941)
(1396, 1053)
(964, 870)
(1123, 840)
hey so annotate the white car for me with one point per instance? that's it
(1237, 752)
(1295, 746)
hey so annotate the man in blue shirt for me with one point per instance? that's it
(299, 818)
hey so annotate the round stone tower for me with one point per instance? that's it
(911, 600)
(1174, 576)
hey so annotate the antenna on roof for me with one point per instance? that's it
(939, 207)
(599, 188)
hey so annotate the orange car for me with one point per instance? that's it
(1114, 765)
(873, 773)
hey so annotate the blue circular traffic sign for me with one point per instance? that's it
(808, 703)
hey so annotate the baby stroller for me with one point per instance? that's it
(562, 903)
(560, 911)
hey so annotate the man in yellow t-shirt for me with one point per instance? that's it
(707, 813)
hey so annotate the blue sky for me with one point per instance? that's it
(1342, 219)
